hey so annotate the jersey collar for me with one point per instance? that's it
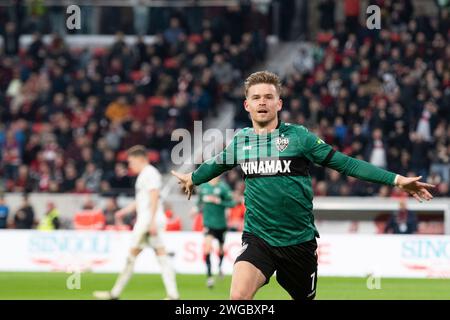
(280, 126)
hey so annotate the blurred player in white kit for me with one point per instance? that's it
(149, 225)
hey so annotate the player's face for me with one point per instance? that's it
(262, 102)
(134, 163)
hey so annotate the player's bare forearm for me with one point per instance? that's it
(131, 207)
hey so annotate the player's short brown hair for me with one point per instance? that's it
(263, 77)
(137, 151)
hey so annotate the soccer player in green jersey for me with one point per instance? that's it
(213, 199)
(279, 232)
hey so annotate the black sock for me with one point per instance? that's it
(208, 264)
(220, 260)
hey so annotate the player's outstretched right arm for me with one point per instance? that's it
(185, 180)
(209, 169)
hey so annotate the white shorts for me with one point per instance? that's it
(141, 238)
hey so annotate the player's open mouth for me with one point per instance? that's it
(262, 111)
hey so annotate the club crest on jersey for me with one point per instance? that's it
(282, 143)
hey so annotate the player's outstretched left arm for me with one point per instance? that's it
(368, 172)
(225, 160)
(322, 153)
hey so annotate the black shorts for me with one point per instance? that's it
(295, 266)
(219, 234)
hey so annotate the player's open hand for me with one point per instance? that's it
(417, 189)
(185, 180)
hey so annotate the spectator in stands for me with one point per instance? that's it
(24, 181)
(335, 183)
(11, 39)
(4, 212)
(441, 158)
(90, 217)
(80, 187)
(92, 177)
(70, 178)
(420, 155)
(358, 85)
(351, 12)
(173, 222)
(135, 136)
(118, 110)
(51, 219)
(141, 15)
(443, 189)
(120, 181)
(201, 101)
(403, 221)
(304, 61)
(326, 9)
(320, 189)
(11, 155)
(222, 71)
(395, 79)
(376, 149)
(24, 217)
(175, 32)
(107, 163)
(63, 97)
(88, 204)
(197, 220)
(109, 211)
(114, 135)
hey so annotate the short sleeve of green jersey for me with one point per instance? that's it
(314, 148)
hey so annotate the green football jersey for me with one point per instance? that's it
(214, 216)
(278, 190)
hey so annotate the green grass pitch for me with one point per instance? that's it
(49, 286)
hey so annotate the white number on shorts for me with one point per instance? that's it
(313, 277)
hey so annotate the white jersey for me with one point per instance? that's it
(148, 179)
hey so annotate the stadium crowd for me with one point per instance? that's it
(379, 95)
(68, 114)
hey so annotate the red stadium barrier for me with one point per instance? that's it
(89, 220)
